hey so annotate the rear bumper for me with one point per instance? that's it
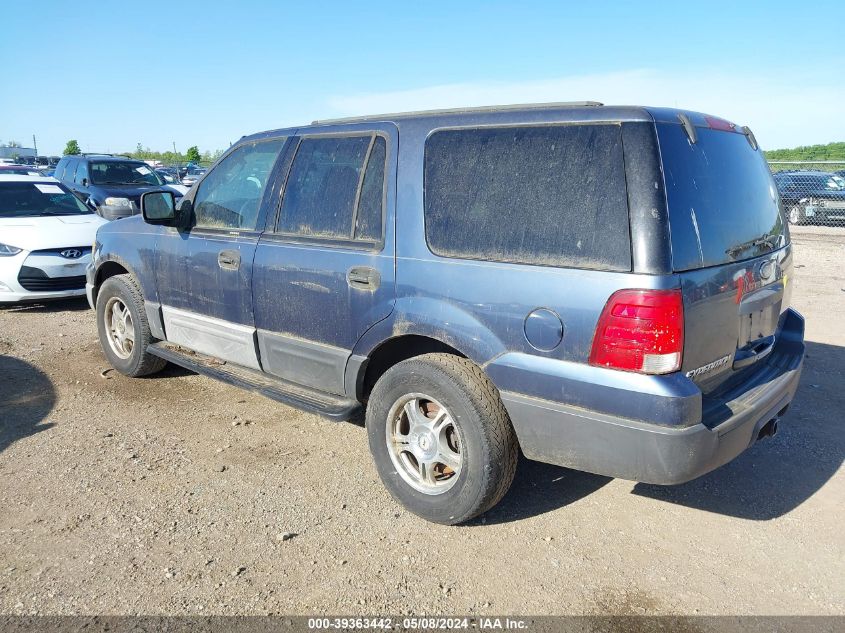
(626, 448)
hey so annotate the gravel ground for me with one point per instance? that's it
(180, 495)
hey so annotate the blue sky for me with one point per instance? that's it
(204, 73)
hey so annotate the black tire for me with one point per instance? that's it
(488, 446)
(139, 362)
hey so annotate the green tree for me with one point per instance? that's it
(72, 148)
(193, 154)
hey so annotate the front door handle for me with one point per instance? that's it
(363, 278)
(229, 260)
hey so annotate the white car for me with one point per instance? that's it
(190, 179)
(46, 234)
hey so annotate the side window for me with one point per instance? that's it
(60, 169)
(81, 172)
(335, 189)
(371, 202)
(230, 195)
(551, 195)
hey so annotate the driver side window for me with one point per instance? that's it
(230, 195)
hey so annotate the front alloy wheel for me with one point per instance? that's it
(796, 215)
(123, 327)
(120, 330)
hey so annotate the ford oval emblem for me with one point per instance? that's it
(71, 253)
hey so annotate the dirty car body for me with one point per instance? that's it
(633, 315)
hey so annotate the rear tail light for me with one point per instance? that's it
(642, 331)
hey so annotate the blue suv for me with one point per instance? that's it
(603, 288)
(109, 184)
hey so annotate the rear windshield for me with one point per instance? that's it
(723, 203)
(34, 199)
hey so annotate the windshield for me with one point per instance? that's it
(123, 173)
(823, 182)
(723, 204)
(28, 199)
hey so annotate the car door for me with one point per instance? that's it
(324, 269)
(204, 273)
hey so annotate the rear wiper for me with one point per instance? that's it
(769, 240)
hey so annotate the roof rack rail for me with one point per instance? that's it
(102, 154)
(474, 109)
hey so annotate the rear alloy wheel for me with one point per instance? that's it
(424, 443)
(441, 438)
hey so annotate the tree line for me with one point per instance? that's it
(191, 155)
(830, 151)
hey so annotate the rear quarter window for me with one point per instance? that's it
(546, 195)
(723, 203)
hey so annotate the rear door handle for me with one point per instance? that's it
(363, 278)
(229, 260)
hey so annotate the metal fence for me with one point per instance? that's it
(811, 192)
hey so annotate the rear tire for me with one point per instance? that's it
(123, 327)
(441, 438)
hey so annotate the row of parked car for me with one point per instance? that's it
(810, 196)
(49, 217)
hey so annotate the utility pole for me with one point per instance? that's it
(35, 147)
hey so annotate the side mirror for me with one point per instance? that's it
(158, 207)
(84, 182)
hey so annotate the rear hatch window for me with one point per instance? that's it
(728, 239)
(723, 203)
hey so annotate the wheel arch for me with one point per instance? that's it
(391, 352)
(107, 269)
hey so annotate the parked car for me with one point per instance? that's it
(192, 176)
(502, 278)
(19, 170)
(170, 178)
(46, 235)
(111, 185)
(811, 196)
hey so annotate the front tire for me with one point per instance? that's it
(441, 438)
(123, 327)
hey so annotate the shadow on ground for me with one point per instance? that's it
(72, 304)
(539, 488)
(777, 475)
(26, 398)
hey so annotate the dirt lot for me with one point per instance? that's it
(171, 495)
